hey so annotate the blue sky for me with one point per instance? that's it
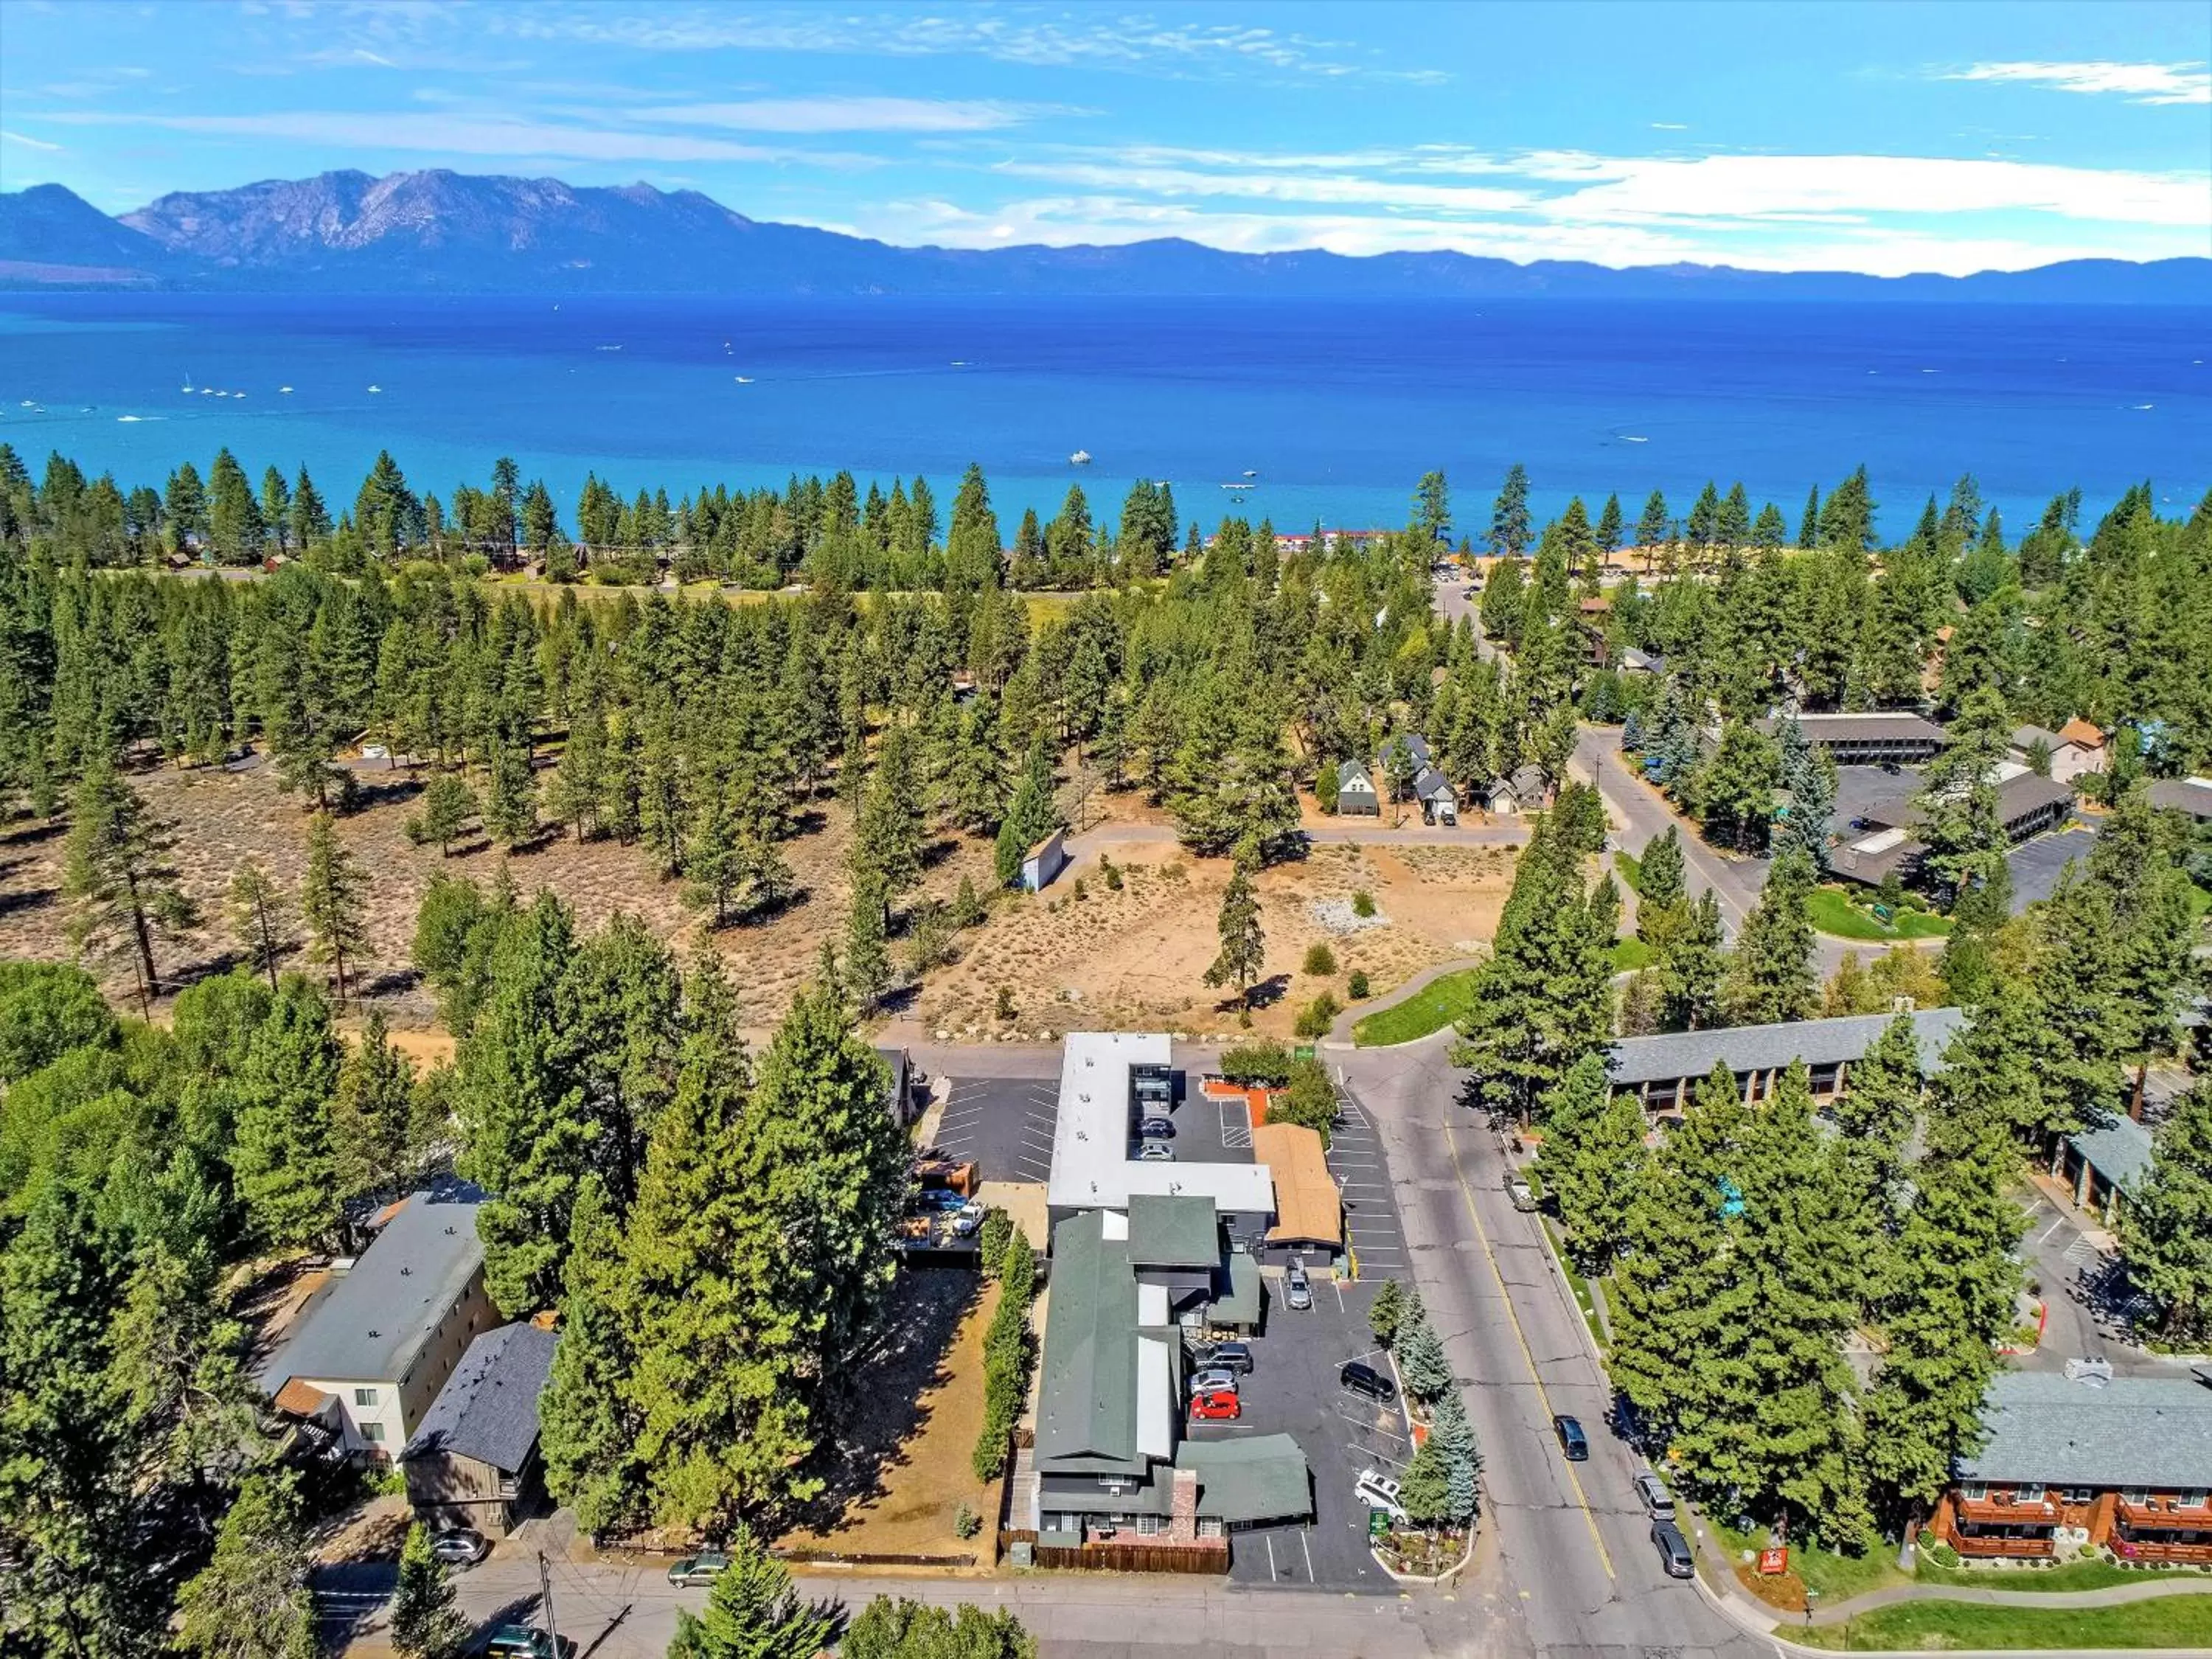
(1884, 137)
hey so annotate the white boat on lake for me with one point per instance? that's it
(1081, 458)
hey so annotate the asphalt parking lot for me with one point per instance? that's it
(1293, 1389)
(2036, 865)
(1371, 1205)
(1004, 1124)
(1858, 787)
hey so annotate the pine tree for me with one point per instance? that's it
(1388, 1309)
(866, 964)
(906, 1629)
(1609, 526)
(753, 1612)
(1453, 1438)
(332, 902)
(425, 1622)
(120, 876)
(2169, 1237)
(252, 1600)
(448, 804)
(259, 916)
(1660, 876)
(1590, 1159)
(1509, 516)
(589, 1430)
(285, 1159)
(510, 805)
(373, 1112)
(1421, 1362)
(1425, 1487)
(1691, 968)
(1770, 975)
(1244, 950)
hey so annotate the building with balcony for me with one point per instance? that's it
(2125, 1464)
(1663, 1071)
(1892, 737)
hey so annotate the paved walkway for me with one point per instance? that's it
(1339, 1033)
(2111, 1595)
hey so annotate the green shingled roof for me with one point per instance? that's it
(1241, 1306)
(1177, 1231)
(1262, 1478)
(1087, 1405)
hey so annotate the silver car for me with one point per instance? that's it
(1298, 1288)
(1216, 1378)
(460, 1548)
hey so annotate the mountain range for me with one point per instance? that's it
(438, 232)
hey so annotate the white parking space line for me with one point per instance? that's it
(1303, 1531)
(1269, 1541)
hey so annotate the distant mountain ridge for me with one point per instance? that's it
(441, 232)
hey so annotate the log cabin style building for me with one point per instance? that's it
(473, 1462)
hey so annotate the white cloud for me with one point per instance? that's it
(1135, 44)
(464, 136)
(1670, 126)
(2139, 83)
(849, 114)
(27, 140)
(1393, 193)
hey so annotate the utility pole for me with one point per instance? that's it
(545, 1592)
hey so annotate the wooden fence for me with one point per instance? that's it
(1209, 1556)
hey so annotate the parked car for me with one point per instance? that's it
(1366, 1379)
(1157, 1129)
(1572, 1441)
(1216, 1406)
(1156, 1151)
(527, 1642)
(460, 1548)
(1213, 1377)
(1226, 1357)
(1298, 1288)
(968, 1222)
(1658, 1502)
(1378, 1491)
(1674, 1550)
(704, 1568)
(1523, 1195)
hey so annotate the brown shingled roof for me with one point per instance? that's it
(1308, 1208)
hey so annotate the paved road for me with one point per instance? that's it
(1576, 1558)
(630, 1613)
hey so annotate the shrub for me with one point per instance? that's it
(966, 1523)
(1363, 903)
(1003, 1007)
(1310, 1100)
(966, 908)
(992, 1237)
(1421, 1361)
(1359, 985)
(1111, 872)
(1321, 961)
(1267, 1063)
(1081, 891)
(1389, 1308)
(1318, 1016)
(1005, 1358)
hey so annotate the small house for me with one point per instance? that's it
(1523, 790)
(2191, 795)
(2075, 748)
(1439, 804)
(1356, 794)
(473, 1459)
(1044, 861)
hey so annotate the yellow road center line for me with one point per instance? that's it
(1582, 1500)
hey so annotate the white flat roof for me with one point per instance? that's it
(1155, 1399)
(1091, 1169)
(1880, 842)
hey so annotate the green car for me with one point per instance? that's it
(704, 1568)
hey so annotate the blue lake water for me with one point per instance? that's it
(1337, 407)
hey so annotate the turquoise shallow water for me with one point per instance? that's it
(1337, 407)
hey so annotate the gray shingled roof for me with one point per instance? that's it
(1178, 1231)
(1351, 775)
(2017, 797)
(1430, 784)
(1087, 1398)
(1764, 1047)
(1873, 727)
(2119, 1150)
(1242, 1482)
(373, 1318)
(487, 1409)
(2191, 795)
(2133, 1431)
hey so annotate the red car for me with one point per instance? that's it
(1216, 1405)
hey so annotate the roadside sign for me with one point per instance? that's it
(1303, 1051)
(1771, 1561)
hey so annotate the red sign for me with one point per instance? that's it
(1774, 1561)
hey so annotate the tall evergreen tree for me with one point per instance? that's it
(1508, 517)
(425, 1622)
(251, 1601)
(589, 1426)
(753, 1612)
(1770, 975)
(2169, 1237)
(1243, 944)
(120, 876)
(334, 903)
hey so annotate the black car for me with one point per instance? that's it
(1674, 1550)
(1572, 1441)
(1366, 1379)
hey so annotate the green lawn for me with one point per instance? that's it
(2200, 902)
(1833, 912)
(1837, 1578)
(1631, 868)
(2092, 1573)
(2174, 1621)
(1432, 1008)
(1629, 954)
